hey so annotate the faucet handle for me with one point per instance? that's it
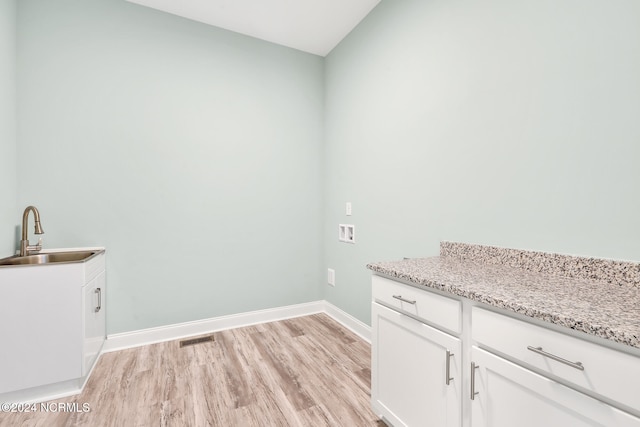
(35, 248)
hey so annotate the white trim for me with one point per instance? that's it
(45, 392)
(142, 337)
(49, 391)
(180, 330)
(348, 321)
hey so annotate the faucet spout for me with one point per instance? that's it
(24, 243)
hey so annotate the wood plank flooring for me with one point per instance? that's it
(307, 371)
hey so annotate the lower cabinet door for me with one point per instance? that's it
(507, 395)
(410, 363)
(94, 326)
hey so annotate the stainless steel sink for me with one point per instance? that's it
(48, 258)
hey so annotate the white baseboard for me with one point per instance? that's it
(348, 321)
(48, 392)
(181, 330)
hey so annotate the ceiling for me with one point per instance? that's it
(314, 26)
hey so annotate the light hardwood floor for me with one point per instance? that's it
(307, 371)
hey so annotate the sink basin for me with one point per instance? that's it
(48, 258)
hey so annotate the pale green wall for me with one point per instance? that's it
(511, 123)
(196, 155)
(8, 212)
(190, 152)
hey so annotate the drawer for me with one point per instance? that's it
(432, 308)
(606, 372)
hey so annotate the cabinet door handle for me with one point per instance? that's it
(473, 380)
(99, 292)
(447, 373)
(404, 300)
(539, 350)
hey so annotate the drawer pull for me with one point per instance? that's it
(473, 380)
(447, 373)
(404, 300)
(539, 350)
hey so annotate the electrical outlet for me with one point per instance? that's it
(331, 276)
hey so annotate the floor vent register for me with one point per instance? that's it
(194, 341)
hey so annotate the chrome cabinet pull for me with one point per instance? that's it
(404, 300)
(447, 373)
(99, 292)
(473, 380)
(539, 350)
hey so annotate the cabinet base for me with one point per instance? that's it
(47, 392)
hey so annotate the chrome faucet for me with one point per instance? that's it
(25, 249)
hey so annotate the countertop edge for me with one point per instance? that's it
(581, 325)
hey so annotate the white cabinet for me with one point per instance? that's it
(509, 395)
(506, 371)
(409, 377)
(416, 368)
(93, 320)
(50, 328)
(442, 312)
(39, 326)
(597, 370)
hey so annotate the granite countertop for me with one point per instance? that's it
(595, 296)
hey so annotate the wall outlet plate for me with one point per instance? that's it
(331, 276)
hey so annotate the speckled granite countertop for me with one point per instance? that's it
(596, 296)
